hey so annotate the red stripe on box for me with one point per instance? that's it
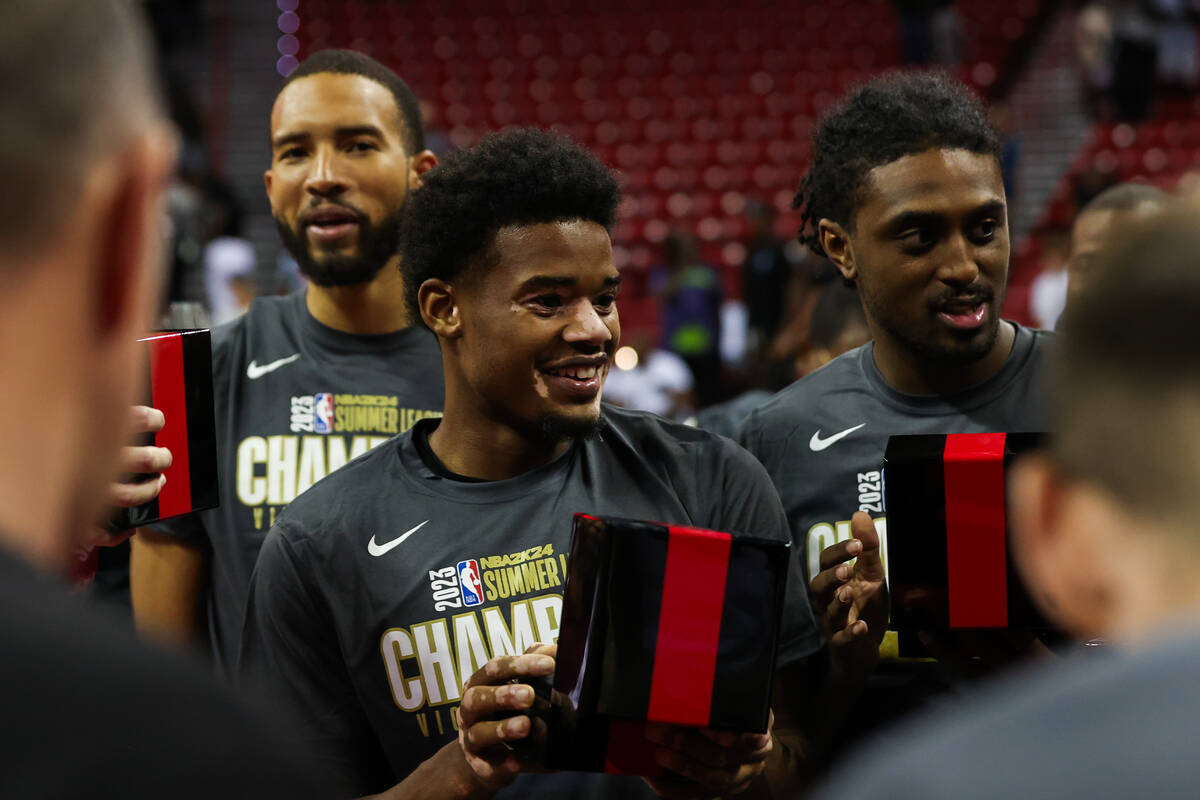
(976, 556)
(689, 626)
(629, 752)
(169, 397)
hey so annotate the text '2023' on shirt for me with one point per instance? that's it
(379, 592)
(295, 400)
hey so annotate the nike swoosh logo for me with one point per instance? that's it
(817, 444)
(379, 549)
(254, 371)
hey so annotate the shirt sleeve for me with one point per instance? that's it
(289, 646)
(747, 503)
(188, 528)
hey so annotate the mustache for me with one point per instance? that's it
(327, 205)
(971, 296)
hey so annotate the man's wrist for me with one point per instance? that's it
(445, 776)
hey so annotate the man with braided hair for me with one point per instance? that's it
(905, 197)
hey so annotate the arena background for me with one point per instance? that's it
(704, 108)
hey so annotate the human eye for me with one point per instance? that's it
(291, 153)
(546, 304)
(985, 230)
(362, 146)
(917, 240)
(605, 302)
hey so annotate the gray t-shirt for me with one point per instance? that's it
(1113, 725)
(294, 401)
(822, 438)
(822, 441)
(357, 614)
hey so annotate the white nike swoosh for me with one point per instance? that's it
(379, 549)
(254, 371)
(817, 444)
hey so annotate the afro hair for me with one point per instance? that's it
(521, 176)
(881, 121)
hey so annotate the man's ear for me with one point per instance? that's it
(267, 178)
(439, 308)
(418, 165)
(1035, 498)
(1053, 549)
(129, 232)
(835, 241)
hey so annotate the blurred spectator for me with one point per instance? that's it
(1094, 51)
(1096, 223)
(946, 34)
(914, 15)
(1177, 58)
(690, 293)
(1135, 59)
(931, 32)
(1048, 292)
(809, 279)
(228, 258)
(765, 275)
(838, 326)
(648, 378)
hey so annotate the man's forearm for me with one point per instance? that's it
(167, 580)
(444, 776)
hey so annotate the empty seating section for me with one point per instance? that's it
(701, 106)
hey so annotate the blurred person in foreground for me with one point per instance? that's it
(1098, 225)
(88, 711)
(307, 382)
(397, 681)
(1105, 534)
(905, 196)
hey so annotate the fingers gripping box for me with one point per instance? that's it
(664, 624)
(948, 560)
(180, 380)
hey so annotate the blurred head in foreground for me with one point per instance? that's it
(86, 154)
(1106, 524)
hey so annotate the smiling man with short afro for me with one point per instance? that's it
(521, 176)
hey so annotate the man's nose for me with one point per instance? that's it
(959, 266)
(326, 179)
(587, 326)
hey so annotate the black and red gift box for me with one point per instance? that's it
(666, 624)
(180, 380)
(948, 559)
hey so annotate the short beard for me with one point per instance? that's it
(973, 348)
(975, 345)
(378, 244)
(552, 428)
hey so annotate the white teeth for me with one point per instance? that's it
(576, 373)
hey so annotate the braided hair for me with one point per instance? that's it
(881, 121)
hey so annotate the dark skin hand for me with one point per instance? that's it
(498, 739)
(851, 600)
(707, 763)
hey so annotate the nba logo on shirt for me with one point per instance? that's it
(323, 413)
(468, 580)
